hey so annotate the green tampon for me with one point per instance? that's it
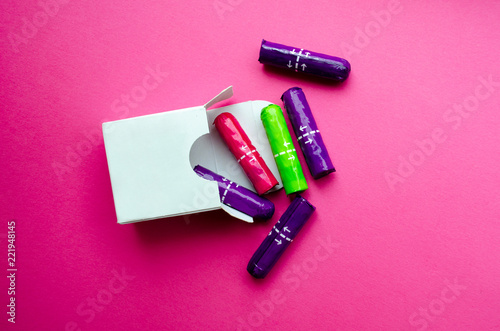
(283, 149)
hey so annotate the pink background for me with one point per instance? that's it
(413, 252)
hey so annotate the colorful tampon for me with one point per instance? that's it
(245, 153)
(237, 196)
(307, 133)
(301, 60)
(284, 152)
(280, 237)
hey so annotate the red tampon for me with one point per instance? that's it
(245, 153)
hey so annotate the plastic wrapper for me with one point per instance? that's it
(307, 133)
(245, 153)
(238, 197)
(280, 237)
(301, 60)
(284, 152)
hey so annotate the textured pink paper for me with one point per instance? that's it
(412, 248)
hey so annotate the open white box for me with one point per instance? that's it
(151, 160)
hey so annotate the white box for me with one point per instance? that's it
(151, 160)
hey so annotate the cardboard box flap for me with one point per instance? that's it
(225, 94)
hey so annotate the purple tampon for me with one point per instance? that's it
(280, 237)
(301, 60)
(307, 133)
(237, 196)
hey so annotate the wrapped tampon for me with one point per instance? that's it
(245, 153)
(284, 152)
(307, 133)
(301, 60)
(237, 196)
(280, 237)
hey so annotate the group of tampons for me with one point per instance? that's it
(288, 164)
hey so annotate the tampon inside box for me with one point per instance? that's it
(151, 160)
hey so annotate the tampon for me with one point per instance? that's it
(245, 153)
(284, 152)
(301, 60)
(280, 236)
(238, 197)
(307, 133)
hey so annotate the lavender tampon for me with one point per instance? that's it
(307, 132)
(301, 60)
(237, 196)
(281, 235)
